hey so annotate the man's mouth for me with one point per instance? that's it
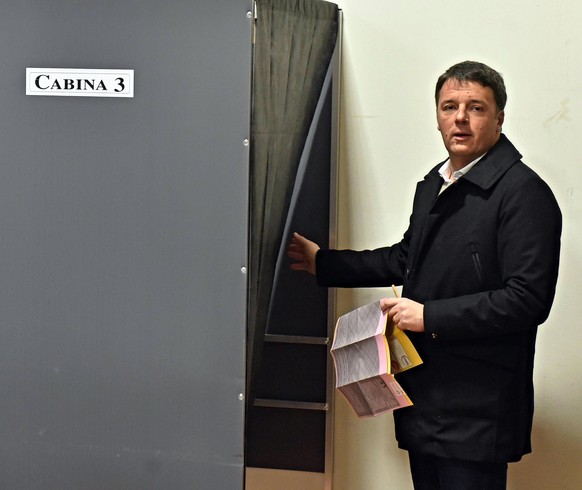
(461, 136)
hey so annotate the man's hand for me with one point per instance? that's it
(303, 252)
(404, 313)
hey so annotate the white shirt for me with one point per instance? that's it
(445, 172)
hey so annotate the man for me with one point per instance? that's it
(478, 265)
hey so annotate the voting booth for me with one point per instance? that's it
(126, 144)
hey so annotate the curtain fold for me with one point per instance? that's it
(294, 43)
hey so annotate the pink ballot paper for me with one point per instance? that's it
(363, 362)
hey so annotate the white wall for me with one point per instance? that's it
(393, 51)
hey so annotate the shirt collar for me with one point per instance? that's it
(457, 174)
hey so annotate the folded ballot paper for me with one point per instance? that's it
(366, 360)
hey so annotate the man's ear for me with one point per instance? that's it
(500, 119)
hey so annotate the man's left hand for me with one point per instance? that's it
(404, 313)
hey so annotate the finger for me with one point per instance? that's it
(298, 239)
(295, 248)
(298, 266)
(387, 303)
(295, 255)
(395, 317)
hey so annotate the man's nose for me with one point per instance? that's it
(461, 115)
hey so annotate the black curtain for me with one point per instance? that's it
(294, 43)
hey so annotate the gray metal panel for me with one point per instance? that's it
(123, 233)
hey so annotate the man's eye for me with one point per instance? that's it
(448, 108)
(477, 108)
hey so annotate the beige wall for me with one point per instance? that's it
(267, 479)
(393, 52)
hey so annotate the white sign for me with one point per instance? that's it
(79, 82)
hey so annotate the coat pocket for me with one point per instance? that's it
(477, 262)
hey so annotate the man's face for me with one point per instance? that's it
(468, 120)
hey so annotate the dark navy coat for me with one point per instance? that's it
(483, 259)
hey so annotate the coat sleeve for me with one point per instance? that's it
(528, 244)
(366, 268)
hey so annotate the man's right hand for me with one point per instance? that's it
(303, 252)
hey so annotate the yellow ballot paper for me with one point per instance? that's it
(403, 355)
(364, 362)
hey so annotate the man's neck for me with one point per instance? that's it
(459, 163)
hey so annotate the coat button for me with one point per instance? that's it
(434, 335)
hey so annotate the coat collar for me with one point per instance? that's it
(490, 168)
(485, 174)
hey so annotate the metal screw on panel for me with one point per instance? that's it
(241, 397)
(243, 270)
(246, 142)
(249, 14)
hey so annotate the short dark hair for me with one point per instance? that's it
(473, 71)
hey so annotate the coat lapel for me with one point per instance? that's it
(427, 192)
(485, 174)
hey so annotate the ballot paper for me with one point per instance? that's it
(366, 359)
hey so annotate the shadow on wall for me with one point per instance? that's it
(554, 463)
